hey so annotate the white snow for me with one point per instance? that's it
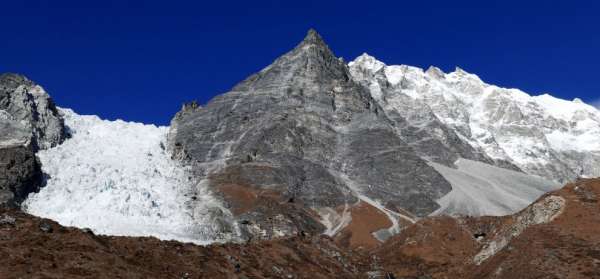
(115, 178)
(369, 62)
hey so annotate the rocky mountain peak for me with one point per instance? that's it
(313, 38)
(303, 132)
(315, 57)
(310, 61)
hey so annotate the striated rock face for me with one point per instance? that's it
(28, 121)
(302, 134)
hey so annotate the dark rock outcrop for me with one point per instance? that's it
(20, 174)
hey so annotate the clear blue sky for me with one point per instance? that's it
(139, 60)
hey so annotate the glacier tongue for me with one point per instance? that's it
(115, 178)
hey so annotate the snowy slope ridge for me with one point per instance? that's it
(116, 178)
(541, 135)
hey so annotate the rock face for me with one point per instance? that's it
(30, 106)
(28, 121)
(298, 137)
(20, 174)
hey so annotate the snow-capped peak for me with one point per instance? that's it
(368, 62)
(542, 135)
(435, 72)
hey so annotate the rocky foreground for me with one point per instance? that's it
(555, 237)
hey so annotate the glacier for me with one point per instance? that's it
(116, 178)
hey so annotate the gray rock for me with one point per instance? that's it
(29, 105)
(28, 121)
(301, 129)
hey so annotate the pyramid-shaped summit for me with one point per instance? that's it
(310, 61)
(313, 37)
(301, 137)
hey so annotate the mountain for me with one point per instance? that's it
(309, 145)
(311, 138)
(300, 142)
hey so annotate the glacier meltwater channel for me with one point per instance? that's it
(115, 178)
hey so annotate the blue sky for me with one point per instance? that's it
(139, 60)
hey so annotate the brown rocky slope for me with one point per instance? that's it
(556, 237)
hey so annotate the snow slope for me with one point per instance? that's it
(115, 178)
(541, 135)
(480, 189)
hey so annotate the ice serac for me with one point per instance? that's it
(298, 137)
(28, 121)
(539, 135)
(115, 178)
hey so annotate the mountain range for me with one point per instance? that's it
(361, 152)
